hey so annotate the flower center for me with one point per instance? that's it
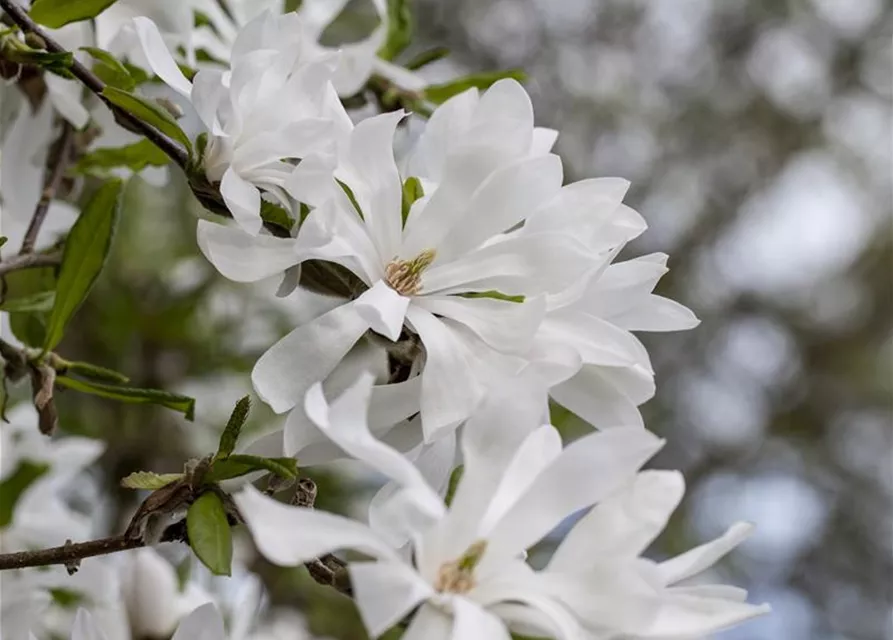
(458, 576)
(404, 276)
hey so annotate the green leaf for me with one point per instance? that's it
(230, 435)
(4, 396)
(136, 156)
(399, 29)
(493, 294)
(3, 240)
(131, 395)
(149, 480)
(427, 57)
(149, 112)
(274, 214)
(412, 191)
(209, 534)
(42, 301)
(350, 196)
(86, 250)
(455, 478)
(111, 70)
(240, 464)
(12, 488)
(55, 62)
(29, 327)
(95, 372)
(57, 13)
(67, 598)
(440, 93)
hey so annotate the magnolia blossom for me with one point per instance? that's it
(205, 623)
(443, 270)
(464, 572)
(274, 103)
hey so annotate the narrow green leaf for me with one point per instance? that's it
(41, 301)
(455, 478)
(57, 13)
(131, 395)
(111, 70)
(15, 484)
(29, 327)
(412, 191)
(274, 214)
(495, 295)
(86, 250)
(230, 435)
(136, 156)
(95, 372)
(209, 533)
(427, 57)
(399, 29)
(149, 112)
(350, 196)
(149, 480)
(3, 240)
(440, 93)
(240, 464)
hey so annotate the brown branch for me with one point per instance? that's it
(68, 554)
(19, 16)
(29, 261)
(63, 155)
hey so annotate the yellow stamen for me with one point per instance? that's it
(458, 576)
(404, 276)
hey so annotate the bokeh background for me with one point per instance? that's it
(757, 136)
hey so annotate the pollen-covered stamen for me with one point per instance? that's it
(458, 576)
(404, 276)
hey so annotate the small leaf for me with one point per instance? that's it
(149, 480)
(350, 196)
(67, 598)
(440, 93)
(455, 478)
(136, 157)
(86, 250)
(95, 372)
(42, 301)
(274, 214)
(240, 464)
(29, 327)
(427, 57)
(149, 112)
(131, 395)
(111, 70)
(495, 295)
(57, 13)
(209, 534)
(412, 191)
(230, 435)
(15, 484)
(399, 29)
(3, 240)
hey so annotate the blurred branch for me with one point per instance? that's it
(29, 261)
(20, 17)
(63, 155)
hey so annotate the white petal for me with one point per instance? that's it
(721, 591)
(429, 623)
(597, 341)
(504, 119)
(505, 326)
(657, 314)
(696, 560)
(307, 355)
(312, 181)
(385, 592)
(384, 309)
(242, 257)
(602, 395)
(443, 129)
(503, 200)
(623, 525)
(160, 59)
(206, 94)
(685, 616)
(449, 390)
(84, 627)
(204, 623)
(289, 536)
(473, 622)
(543, 140)
(67, 99)
(344, 422)
(371, 172)
(585, 472)
(243, 200)
(587, 208)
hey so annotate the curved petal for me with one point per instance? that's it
(84, 628)
(242, 199)
(473, 622)
(67, 99)
(686, 616)
(606, 397)
(623, 525)
(696, 560)
(429, 623)
(384, 309)
(305, 356)
(598, 341)
(289, 536)
(206, 94)
(205, 623)
(242, 257)
(657, 314)
(585, 472)
(385, 592)
(160, 59)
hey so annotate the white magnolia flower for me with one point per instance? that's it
(444, 273)
(22, 603)
(205, 623)
(274, 104)
(465, 575)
